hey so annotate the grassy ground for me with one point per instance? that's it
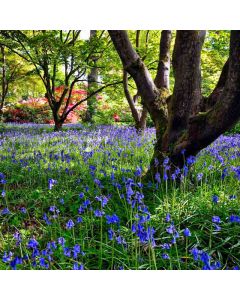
(74, 200)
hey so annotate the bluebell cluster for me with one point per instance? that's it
(86, 201)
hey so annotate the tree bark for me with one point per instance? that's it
(92, 85)
(163, 70)
(186, 126)
(153, 98)
(4, 79)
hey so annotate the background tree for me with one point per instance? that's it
(181, 126)
(12, 71)
(60, 58)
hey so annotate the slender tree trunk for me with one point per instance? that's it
(163, 71)
(4, 81)
(92, 85)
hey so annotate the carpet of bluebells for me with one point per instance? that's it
(75, 199)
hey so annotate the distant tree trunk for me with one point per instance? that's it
(140, 117)
(4, 80)
(182, 126)
(92, 84)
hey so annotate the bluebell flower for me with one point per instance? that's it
(76, 251)
(234, 219)
(187, 232)
(110, 234)
(61, 241)
(165, 256)
(3, 194)
(168, 217)
(32, 244)
(17, 236)
(215, 199)
(7, 257)
(67, 251)
(5, 211)
(166, 246)
(61, 201)
(171, 229)
(51, 183)
(99, 213)
(23, 210)
(114, 219)
(81, 195)
(69, 224)
(216, 219)
(43, 263)
(16, 261)
(79, 220)
(76, 266)
(195, 252)
(46, 219)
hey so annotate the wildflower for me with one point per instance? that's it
(5, 211)
(17, 237)
(69, 224)
(32, 244)
(170, 229)
(110, 234)
(168, 218)
(3, 193)
(16, 261)
(61, 201)
(234, 219)
(215, 199)
(216, 219)
(23, 210)
(61, 241)
(165, 176)
(114, 219)
(102, 199)
(99, 213)
(166, 246)
(195, 252)
(46, 219)
(217, 227)
(186, 232)
(231, 197)
(199, 176)
(138, 171)
(51, 183)
(165, 256)
(79, 220)
(43, 263)
(76, 266)
(7, 257)
(67, 251)
(76, 251)
(81, 195)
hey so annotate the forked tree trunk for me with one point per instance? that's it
(185, 126)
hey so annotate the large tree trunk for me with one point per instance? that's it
(92, 85)
(185, 127)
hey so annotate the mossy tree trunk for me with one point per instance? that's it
(182, 123)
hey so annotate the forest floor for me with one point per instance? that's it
(74, 200)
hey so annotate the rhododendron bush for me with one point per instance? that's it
(37, 110)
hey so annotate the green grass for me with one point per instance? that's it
(31, 155)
